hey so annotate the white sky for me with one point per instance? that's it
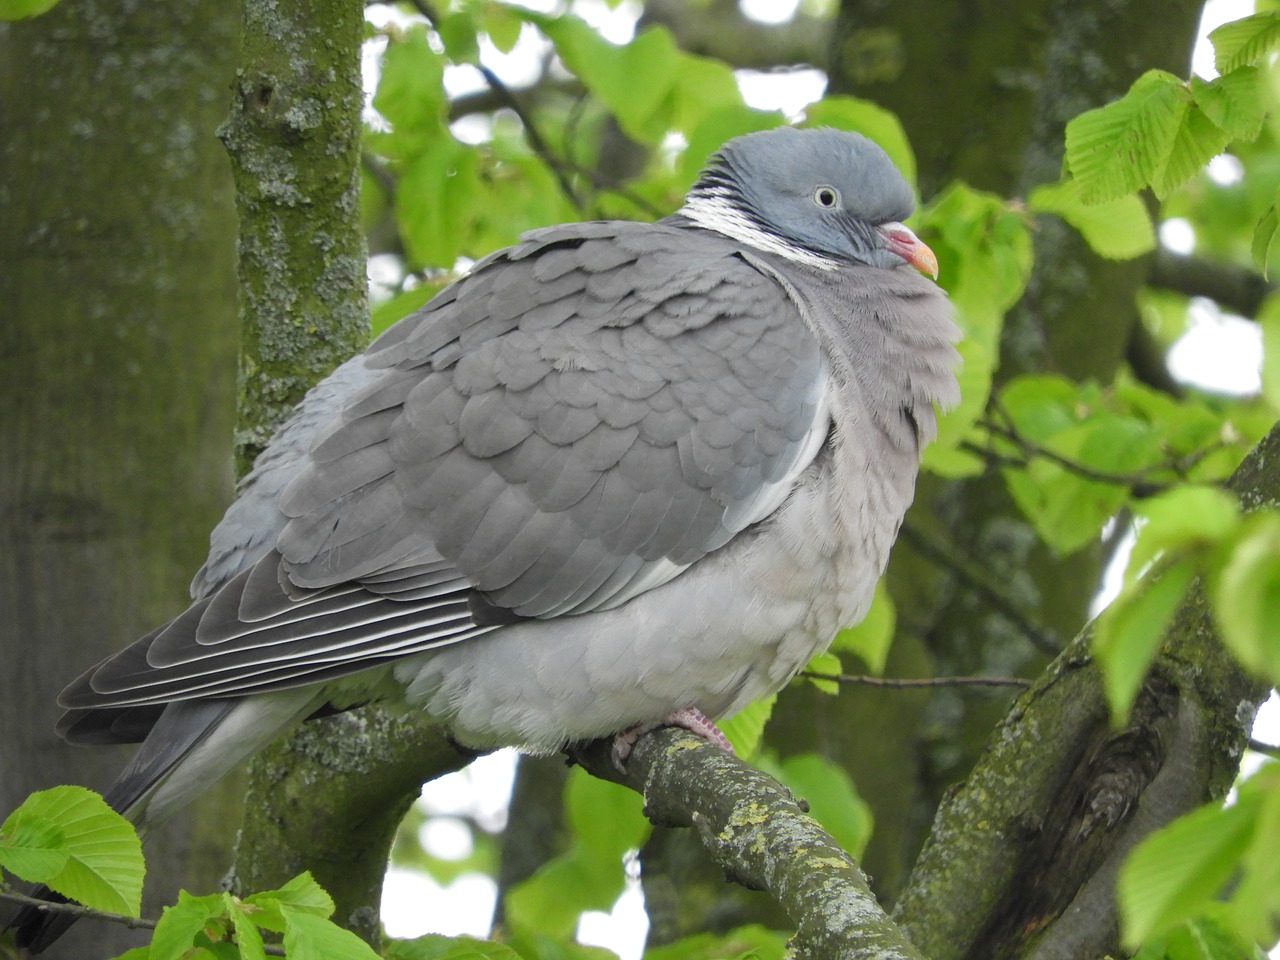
(1218, 352)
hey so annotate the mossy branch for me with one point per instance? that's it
(763, 839)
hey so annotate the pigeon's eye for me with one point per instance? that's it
(826, 197)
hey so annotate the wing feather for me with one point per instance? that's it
(579, 420)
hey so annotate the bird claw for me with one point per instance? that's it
(688, 718)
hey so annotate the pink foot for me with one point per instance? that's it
(690, 718)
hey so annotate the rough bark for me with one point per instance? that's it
(294, 140)
(763, 839)
(117, 360)
(329, 799)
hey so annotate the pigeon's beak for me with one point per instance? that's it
(909, 247)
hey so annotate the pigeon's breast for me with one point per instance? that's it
(734, 627)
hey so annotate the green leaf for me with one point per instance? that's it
(1255, 901)
(1205, 938)
(1196, 141)
(752, 942)
(1269, 320)
(1246, 595)
(1245, 41)
(411, 96)
(1116, 149)
(32, 847)
(745, 729)
(181, 923)
(984, 256)
(1191, 517)
(435, 946)
(21, 9)
(1129, 631)
(871, 638)
(308, 937)
(433, 203)
(704, 89)
(301, 894)
(1156, 135)
(833, 800)
(248, 936)
(457, 31)
(78, 846)
(1174, 873)
(828, 663)
(1263, 236)
(502, 24)
(1118, 229)
(1067, 507)
(632, 80)
(1208, 939)
(1041, 404)
(1233, 102)
(605, 821)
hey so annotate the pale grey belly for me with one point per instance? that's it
(735, 626)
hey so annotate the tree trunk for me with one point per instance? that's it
(329, 797)
(117, 373)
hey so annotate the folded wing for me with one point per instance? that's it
(576, 422)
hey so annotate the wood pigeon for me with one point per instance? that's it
(619, 475)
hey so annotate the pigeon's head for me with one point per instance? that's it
(819, 196)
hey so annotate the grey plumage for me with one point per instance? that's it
(618, 470)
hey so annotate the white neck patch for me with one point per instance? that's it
(712, 211)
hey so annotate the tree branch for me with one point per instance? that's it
(1138, 481)
(914, 683)
(1266, 749)
(720, 29)
(762, 838)
(329, 799)
(506, 98)
(1237, 289)
(81, 912)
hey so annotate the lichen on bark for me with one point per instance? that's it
(294, 139)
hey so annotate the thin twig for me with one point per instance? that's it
(536, 142)
(78, 910)
(909, 683)
(931, 549)
(1138, 481)
(1266, 749)
(559, 166)
(508, 99)
(88, 913)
